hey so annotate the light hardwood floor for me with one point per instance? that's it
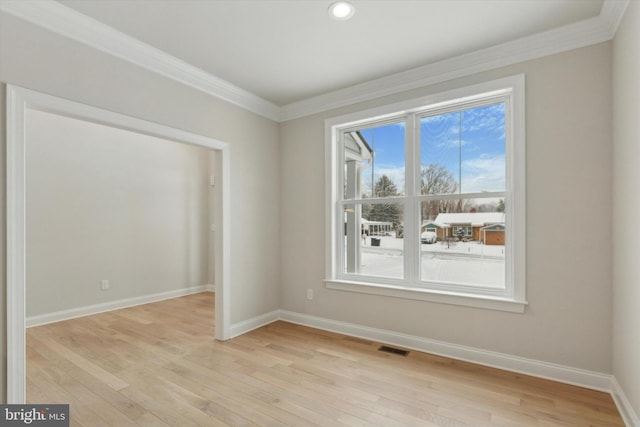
(158, 365)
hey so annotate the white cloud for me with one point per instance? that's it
(484, 173)
(486, 118)
(453, 143)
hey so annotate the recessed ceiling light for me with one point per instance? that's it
(341, 10)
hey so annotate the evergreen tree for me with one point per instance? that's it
(383, 212)
(385, 187)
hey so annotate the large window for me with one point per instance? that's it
(426, 198)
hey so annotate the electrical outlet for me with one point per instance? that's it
(104, 285)
(309, 294)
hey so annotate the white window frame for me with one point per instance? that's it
(513, 298)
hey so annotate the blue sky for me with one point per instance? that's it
(470, 144)
(388, 144)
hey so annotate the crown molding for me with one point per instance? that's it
(573, 36)
(67, 22)
(74, 25)
(612, 13)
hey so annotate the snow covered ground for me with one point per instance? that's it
(460, 262)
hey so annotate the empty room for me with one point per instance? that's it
(271, 212)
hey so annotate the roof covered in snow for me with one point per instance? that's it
(367, 222)
(356, 147)
(476, 219)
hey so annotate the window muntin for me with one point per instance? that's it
(371, 247)
(374, 175)
(450, 144)
(462, 147)
(470, 255)
(471, 113)
(462, 152)
(371, 153)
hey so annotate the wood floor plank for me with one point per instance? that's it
(115, 399)
(158, 365)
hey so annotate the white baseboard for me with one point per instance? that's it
(245, 326)
(560, 373)
(72, 313)
(627, 412)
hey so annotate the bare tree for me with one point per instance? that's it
(436, 179)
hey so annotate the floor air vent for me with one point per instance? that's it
(393, 350)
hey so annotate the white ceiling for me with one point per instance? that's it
(290, 50)
(285, 59)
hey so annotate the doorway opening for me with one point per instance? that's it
(24, 103)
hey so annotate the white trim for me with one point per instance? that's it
(248, 325)
(517, 212)
(484, 301)
(511, 91)
(330, 194)
(629, 416)
(573, 36)
(16, 254)
(69, 23)
(222, 250)
(612, 13)
(551, 371)
(73, 313)
(18, 101)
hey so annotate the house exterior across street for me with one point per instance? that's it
(487, 227)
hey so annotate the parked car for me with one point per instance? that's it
(429, 237)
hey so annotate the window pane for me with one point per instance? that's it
(463, 151)
(374, 245)
(440, 154)
(375, 162)
(483, 149)
(463, 242)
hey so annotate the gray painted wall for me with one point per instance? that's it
(568, 320)
(626, 197)
(37, 59)
(572, 310)
(105, 203)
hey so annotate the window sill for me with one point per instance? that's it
(468, 300)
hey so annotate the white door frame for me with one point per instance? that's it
(18, 101)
